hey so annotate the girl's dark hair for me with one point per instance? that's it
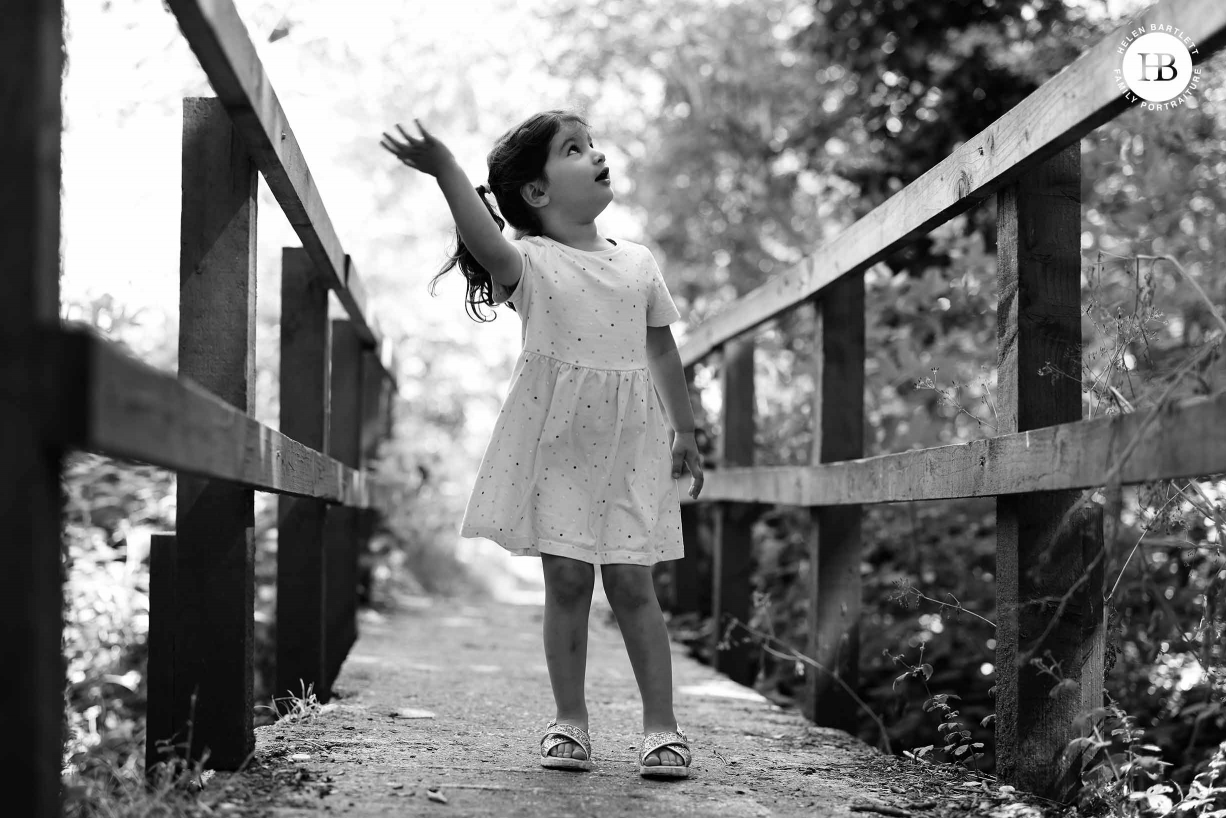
(518, 157)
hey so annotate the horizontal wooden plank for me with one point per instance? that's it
(220, 41)
(1186, 440)
(1067, 107)
(101, 400)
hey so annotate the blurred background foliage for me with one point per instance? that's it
(742, 136)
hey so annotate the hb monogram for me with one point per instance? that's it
(1156, 63)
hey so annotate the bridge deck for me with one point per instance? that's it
(479, 669)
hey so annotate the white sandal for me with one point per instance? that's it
(556, 734)
(670, 740)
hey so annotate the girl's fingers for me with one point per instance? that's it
(392, 140)
(401, 156)
(696, 468)
(425, 134)
(411, 140)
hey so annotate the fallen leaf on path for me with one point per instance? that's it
(412, 713)
(300, 757)
(434, 795)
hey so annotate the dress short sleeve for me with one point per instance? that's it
(530, 258)
(661, 311)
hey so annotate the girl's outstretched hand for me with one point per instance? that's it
(427, 154)
(685, 450)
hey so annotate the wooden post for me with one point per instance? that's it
(834, 545)
(732, 569)
(305, 379)
(342, 530)
(214, 602)
(30, 576)
(1039, 277)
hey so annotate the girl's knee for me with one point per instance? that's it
(628, 586)
(568, 580)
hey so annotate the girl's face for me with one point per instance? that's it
(579, 187)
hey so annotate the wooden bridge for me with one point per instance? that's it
(70, 389)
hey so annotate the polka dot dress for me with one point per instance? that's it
(579, 463)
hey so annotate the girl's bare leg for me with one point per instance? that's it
(568, 600)
(632, 596)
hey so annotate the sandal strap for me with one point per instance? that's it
(556, 734)
(672, 740)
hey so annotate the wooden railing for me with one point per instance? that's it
(68, 388)
(1029, 159)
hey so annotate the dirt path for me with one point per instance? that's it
(478, 672)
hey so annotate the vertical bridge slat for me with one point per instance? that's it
(1039, 287)
(213, 604)
(732, 566)
(30, 576)
(342, 530)
(305, 380)
(834, 544)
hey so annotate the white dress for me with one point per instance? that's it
(579, 463)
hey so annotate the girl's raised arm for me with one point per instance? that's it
(472, 217)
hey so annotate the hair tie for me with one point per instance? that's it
(484, 189)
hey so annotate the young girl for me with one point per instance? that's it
(578, 470)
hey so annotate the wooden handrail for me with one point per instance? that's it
(1065, 108)
(115, 405)
(1185, 440)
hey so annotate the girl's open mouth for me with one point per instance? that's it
(603, 176)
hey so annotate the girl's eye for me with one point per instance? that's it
(574, 147)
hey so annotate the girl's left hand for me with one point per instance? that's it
(426, 153)
(685, 451)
